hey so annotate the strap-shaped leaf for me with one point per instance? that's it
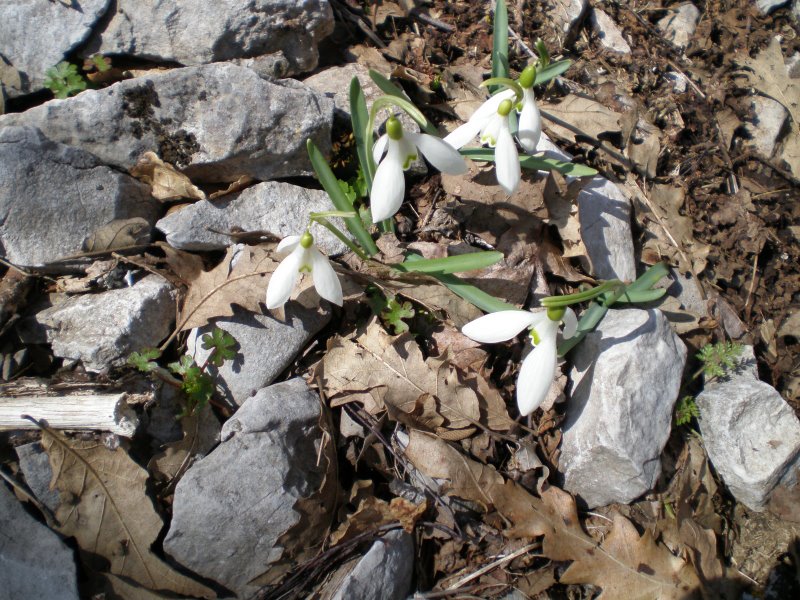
(534, 163)
(339, 199)
(551, 71)
(390, 89)
(500, 41)
(359, 117)
(451, 264)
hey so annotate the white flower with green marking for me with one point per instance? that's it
(401, 148)
(539, 367)
(304, 258)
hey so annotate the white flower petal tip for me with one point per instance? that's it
(530, 123)
(284, 278)
(536, 376)
(570, 322)
(500, 326)
(388, 187)
(440, 154)
(326, 281)
(506, 160)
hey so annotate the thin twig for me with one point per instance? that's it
(493, 565)
(753, 278)
(524, 46)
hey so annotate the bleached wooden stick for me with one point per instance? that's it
(106, 412)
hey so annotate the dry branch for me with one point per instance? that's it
(105, 412)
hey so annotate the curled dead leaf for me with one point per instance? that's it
(167, 183)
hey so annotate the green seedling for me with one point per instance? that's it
(64, 80)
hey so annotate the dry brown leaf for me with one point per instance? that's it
(200, 434)
(166, 182)
(109, 512)
(624, 564)
(387, 373)
(563, 213)
(235, 186)
(241, 278)
(589, 116)
(119, 234)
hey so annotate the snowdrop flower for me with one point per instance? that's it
(401, 149)
(304, 258)
(539, 367)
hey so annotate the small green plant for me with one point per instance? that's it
(719, 358)
(686, 410)
(391, 310)
(64, 80)
(195, 381)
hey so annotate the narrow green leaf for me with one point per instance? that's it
(500, 42)
(534, 163)
(640, 296)
(359, 117)
(551, 71)
(451, 264)
(470, 293)
(649, 278)
(339, 199)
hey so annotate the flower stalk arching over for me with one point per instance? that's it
(303, 258)
(394, 152)
(539, 367)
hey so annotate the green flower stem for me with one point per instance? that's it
(316, 216)
(506, 83)
(345, 240)
(560, 301)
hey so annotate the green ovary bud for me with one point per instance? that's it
(307, 240)
(527, 77)
(505, 108)
(556, 314)
(394, 129)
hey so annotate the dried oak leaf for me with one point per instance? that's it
(109, 512)
(200, 435)
(166, 182)
(241, 278)
(625, 564)
(119, 234)
(387, 373)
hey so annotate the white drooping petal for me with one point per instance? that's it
(325, 280)
(284, 277)
(530, 123)
(536, 375)
(506, 159)
(389, 186)
(465, 133)
(379, 148)
(288, 243)
(440, 154)
(570, 323)
(500, 326)
(468, 131)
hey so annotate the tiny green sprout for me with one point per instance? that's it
(222, 344)
(145, 360)
(719, 358)
(101, 63)
(197, 385)
(395, 312)
(64, 80)
(544, 55)
(686, 410)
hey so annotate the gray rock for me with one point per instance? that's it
(605, 215)
(751, 434)
(216, 122)
(164, 426)
(35, 465)
(35, 562)
(567, 14)
(52, 192)
(194, 32)
(384, 572)
(254, 367)
(770, 116)
(767, 6)
(232, 507)
(678, 80)
(609, 34)
(623, 386)
(121, 321)
(281, 209)
(37, 34)
(678, 27)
